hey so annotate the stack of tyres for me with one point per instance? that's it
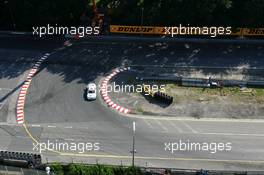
(163, 97)
(31, 160)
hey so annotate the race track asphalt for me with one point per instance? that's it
(56, 109)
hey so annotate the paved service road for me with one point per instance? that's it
(56, 109)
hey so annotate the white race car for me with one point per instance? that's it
(91, 91)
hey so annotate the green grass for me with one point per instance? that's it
(184, 93)
(259, 92)
(139, 109)
(82, 169)
(206, 94)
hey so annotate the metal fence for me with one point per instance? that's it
(252, 77)
(251, 74)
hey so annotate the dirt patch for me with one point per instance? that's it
(227, 102)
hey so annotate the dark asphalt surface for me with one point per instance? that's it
(17, 54)
(56, 109)
(59, 87)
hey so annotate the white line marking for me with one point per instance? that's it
(104, 95)
(35, 125)
(5, 89)
(161, 125)
(20, 101)
(20, 104)
(106, 98)
(122, 109)
(51, 126)
(69, 139)
(189, 127)
(234, 134)
(20, 111)
(148, 123)
(21, 98)
(83, 127)
(164, 118)
(104, 86)
(176, 127)
(34, 70)
(68, 127)
(21, 137)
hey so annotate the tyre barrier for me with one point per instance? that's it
(163, 97)
(31, 160)
(104, 92)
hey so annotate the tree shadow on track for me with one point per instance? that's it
(18, 53)
(90, 59)
(84, 61)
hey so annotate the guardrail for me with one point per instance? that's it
(203, 82)
(12, 170)
(253, 76)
